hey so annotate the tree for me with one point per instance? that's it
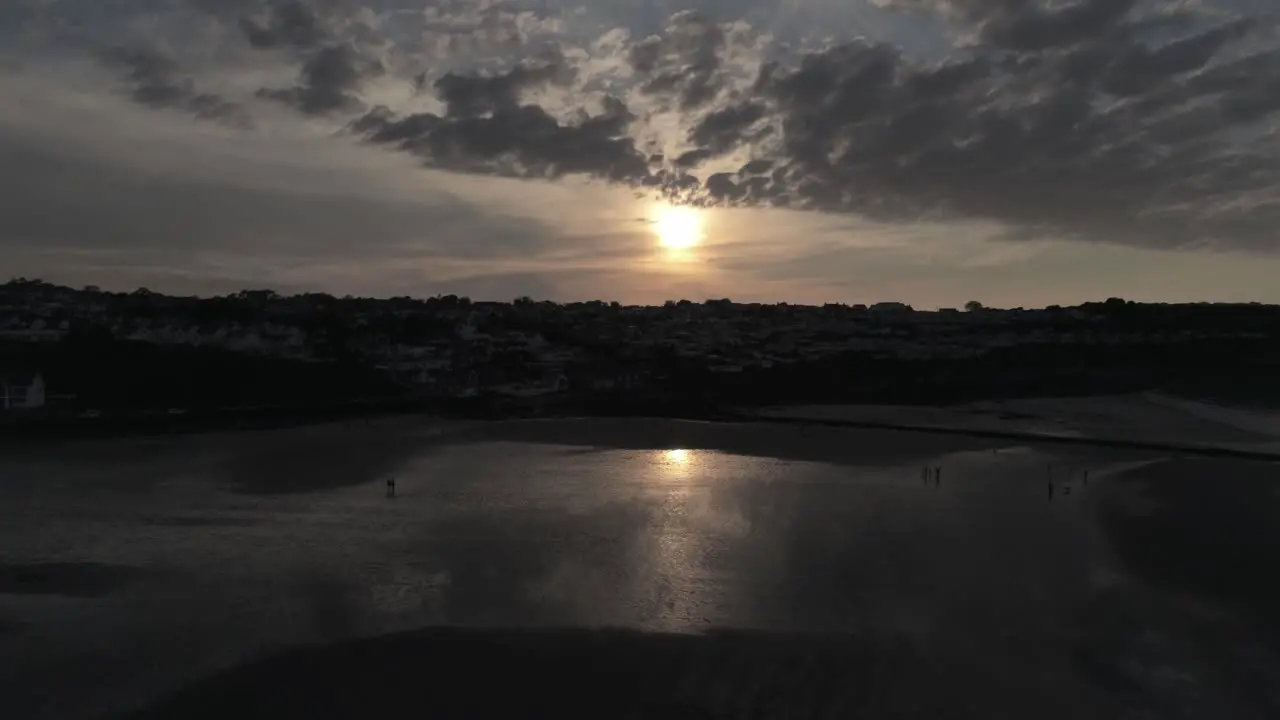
(973, 306)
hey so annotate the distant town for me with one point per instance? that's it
(89, 353)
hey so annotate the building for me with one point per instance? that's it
(891, 308)
(22, 392)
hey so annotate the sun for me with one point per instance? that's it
(678, 228)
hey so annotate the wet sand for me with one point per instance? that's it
(131, 570)
(469, 673)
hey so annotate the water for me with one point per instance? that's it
(128, 569)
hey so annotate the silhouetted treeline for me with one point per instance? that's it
(316, 353)
(94, 371)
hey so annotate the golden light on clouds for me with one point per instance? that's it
(678, 227)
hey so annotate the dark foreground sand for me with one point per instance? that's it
(451, 673)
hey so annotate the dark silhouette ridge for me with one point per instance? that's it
(145, 362)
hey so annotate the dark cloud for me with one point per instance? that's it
(676, 185)
(288, 24)
(1027, 24)
(1138, 69)
(684, 62)
(945, 79)
(723, 129)
(157, 81)
(1112, 138)
(1094, 118)
(515, 140)
(693, 158)
(328, 81)
(722, 188)
(1148, 123)
(464, 30)
(476, 94)
(1079, 120)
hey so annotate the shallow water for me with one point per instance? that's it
(128, 569)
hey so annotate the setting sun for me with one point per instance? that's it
(678, 228)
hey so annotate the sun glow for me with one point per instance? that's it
(678, 228)
(677, 457)
(675, 464)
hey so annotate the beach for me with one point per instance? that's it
(131, 570)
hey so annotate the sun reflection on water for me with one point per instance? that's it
(678, 457)
(674, 588)
(676, 463)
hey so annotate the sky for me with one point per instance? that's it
(1014, 152)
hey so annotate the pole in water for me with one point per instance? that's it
(1086, 477)
(937, 476)
(1050, 492)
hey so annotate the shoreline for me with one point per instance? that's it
(55, 430)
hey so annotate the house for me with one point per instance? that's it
(891, 308)
(22, 392)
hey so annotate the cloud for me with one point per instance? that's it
(1089, 120)
(461, 33)
(1026, 24)
(287, 24)
(328, 81)
(151, 198)
(683, 62)
(486, 131)
(475, 94)
(724, 129)
(157, 82)
(1110, 138)
(1148, 123)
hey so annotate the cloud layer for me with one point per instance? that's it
(1122, 121)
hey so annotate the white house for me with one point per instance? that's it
(22, 396)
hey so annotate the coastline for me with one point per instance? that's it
(55, 430)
